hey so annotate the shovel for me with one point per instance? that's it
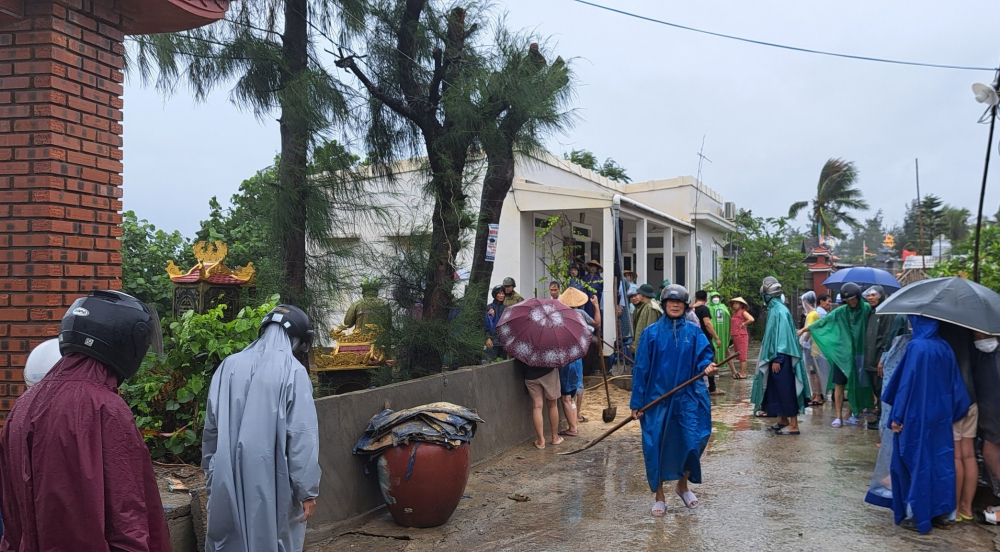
(609, 413)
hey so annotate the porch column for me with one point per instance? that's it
(524, 260)
(608, 260)
(61, 77)
(668, 254)
(693, 284)
(641, 251)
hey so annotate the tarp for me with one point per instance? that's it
(441, 423)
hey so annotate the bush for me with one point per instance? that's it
(168, 394)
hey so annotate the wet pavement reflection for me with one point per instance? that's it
(760, 492)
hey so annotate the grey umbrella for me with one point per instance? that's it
(956, 300)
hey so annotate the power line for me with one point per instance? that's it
(784, 46)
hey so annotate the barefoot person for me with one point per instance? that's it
(738, 323)
(779, 385)
(675, 432)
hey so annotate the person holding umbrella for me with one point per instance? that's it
(840, 336)
(675, 432)
(544, 335)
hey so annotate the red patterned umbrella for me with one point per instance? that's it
(543, 332)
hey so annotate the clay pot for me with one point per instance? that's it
(422, 483)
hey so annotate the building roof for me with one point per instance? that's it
(167, 16)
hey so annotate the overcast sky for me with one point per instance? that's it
(647, 94)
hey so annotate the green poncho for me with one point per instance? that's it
(841, 338)
(720, 320)
(645, 315)
(779, 338)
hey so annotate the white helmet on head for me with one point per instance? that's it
(40, 361)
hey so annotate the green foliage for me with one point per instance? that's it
(989, 259)
(836, 196)
(938, 218)
(762, 248)
(146, 252)
(608, 169)
(555, 239)
(168, 394)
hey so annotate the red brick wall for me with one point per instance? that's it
(60, 170)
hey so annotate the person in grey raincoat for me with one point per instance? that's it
(261, 442)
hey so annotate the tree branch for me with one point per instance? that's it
(395, 104)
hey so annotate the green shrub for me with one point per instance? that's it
(168, 393)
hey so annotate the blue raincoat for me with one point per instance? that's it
(674, 432)
(927, 396)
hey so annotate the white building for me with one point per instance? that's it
(673, 228)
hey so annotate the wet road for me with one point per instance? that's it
(760, 492)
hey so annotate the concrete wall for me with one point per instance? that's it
(495, 391)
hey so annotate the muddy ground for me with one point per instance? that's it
(760, 492)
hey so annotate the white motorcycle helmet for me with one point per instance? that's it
(40, 361)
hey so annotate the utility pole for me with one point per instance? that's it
(982, 190)
(920, 217)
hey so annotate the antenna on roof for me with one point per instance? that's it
(694, 216)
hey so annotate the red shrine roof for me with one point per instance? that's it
(167, 16)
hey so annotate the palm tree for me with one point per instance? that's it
(836, 196)
(955, 223)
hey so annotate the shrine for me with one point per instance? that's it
(61, 111)
(210, 283)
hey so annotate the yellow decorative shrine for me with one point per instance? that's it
(210, 282)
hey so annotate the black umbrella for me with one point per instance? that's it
(956, 300)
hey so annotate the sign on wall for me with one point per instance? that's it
(491, 243)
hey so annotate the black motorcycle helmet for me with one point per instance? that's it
(849, 290)
(295, 322)
(112, 327)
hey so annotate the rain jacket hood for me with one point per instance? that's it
(74, 471)
(260, 448)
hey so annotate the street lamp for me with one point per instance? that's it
(985, 95)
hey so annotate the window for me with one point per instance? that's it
(715, 264)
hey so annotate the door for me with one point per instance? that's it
(680, 269)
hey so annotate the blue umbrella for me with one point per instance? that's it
(865, 277)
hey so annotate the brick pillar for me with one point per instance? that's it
(60, 169)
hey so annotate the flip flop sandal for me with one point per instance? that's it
(778, 427)
(659, 509)
(554, 442)
(537, 446)
(689, 499)
(762, 414)
(836, 423)
(786, 432)
(566, 433)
